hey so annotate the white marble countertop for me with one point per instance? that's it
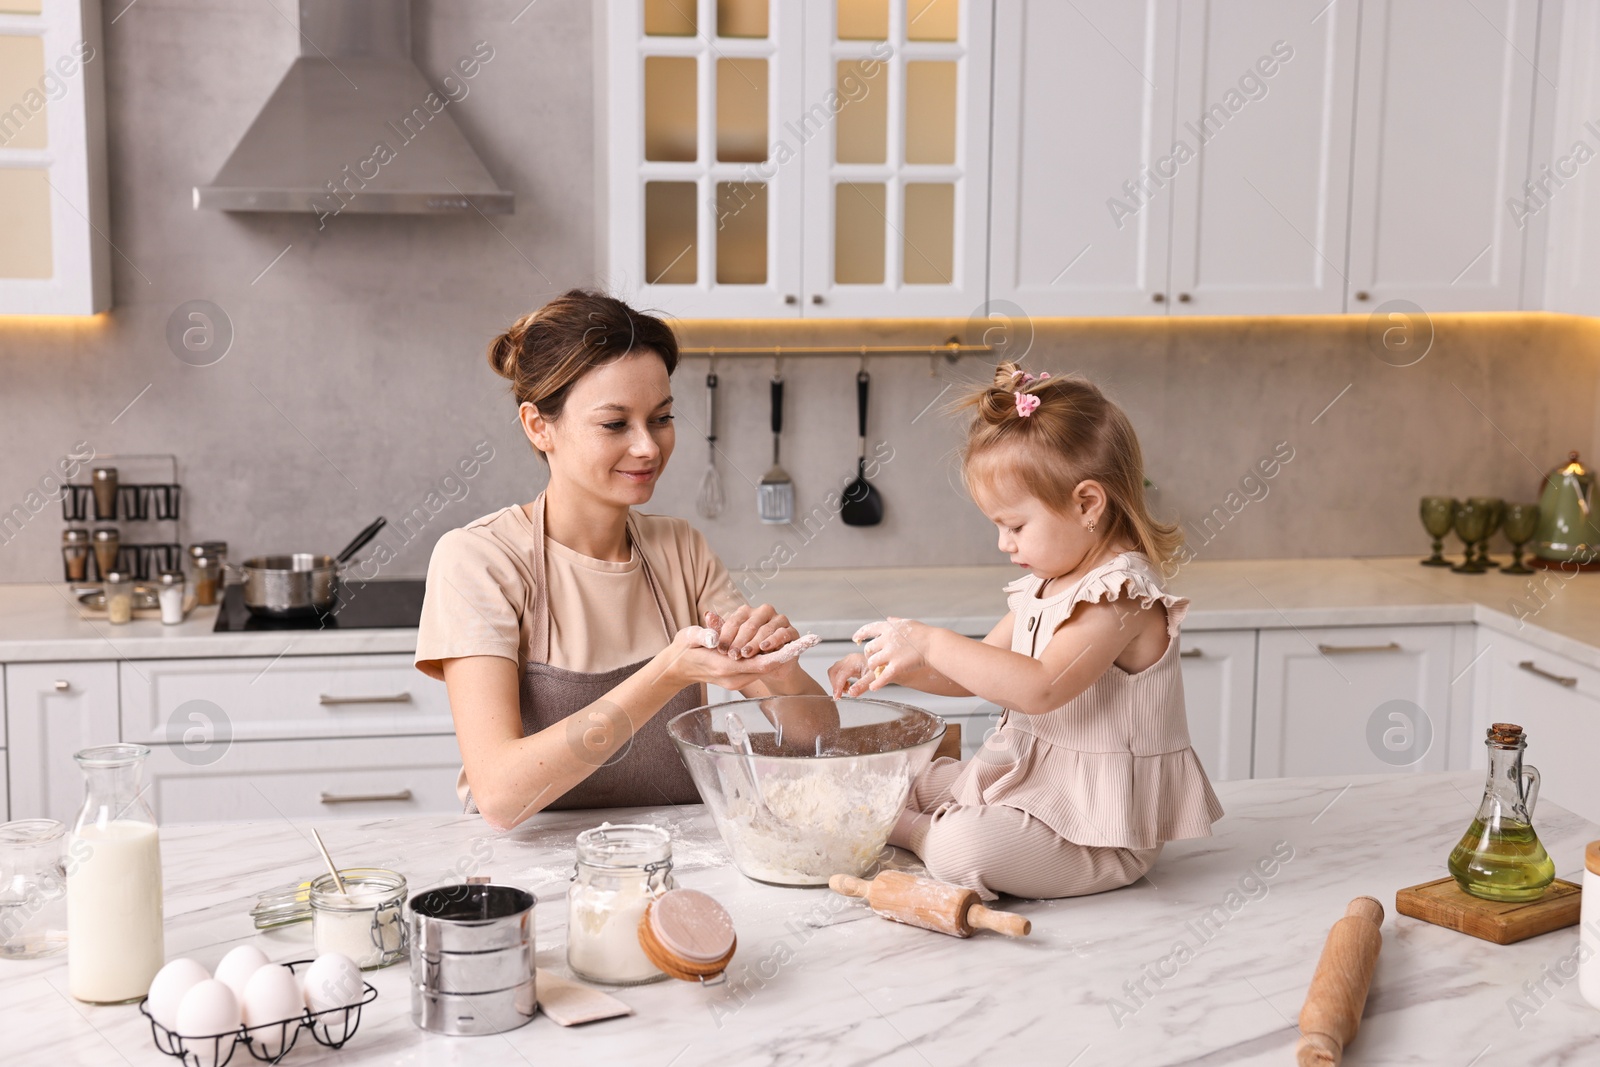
(39, 622)
(819, 979)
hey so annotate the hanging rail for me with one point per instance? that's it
(951, 350)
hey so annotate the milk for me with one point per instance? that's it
(114, 937)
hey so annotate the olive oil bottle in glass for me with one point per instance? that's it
(1500, 857)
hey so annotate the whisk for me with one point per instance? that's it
(709, 502)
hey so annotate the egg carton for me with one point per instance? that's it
(332, 1028)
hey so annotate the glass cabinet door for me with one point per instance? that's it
(704, 179)
(53, 254)
(897, 164)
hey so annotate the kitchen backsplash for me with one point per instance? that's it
(354, 382)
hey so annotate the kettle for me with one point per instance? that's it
(1567, 530)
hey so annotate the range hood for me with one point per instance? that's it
(355, 127)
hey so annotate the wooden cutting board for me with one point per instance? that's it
(1444, 903)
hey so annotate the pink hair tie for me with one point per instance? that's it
(1027, 404)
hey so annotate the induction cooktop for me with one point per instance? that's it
(378, 605)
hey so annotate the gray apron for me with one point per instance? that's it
(647, 770)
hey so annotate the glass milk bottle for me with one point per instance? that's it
(114, 937)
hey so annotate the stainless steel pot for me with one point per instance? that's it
(472, 966)
(299, 583)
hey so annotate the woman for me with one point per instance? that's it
(561, 627)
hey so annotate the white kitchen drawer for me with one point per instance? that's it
(1557, 704)
(263, 699)
(272, 780)
(1346, 700)
(5, 788)
(52, 711)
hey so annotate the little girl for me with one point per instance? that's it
(1090, 770)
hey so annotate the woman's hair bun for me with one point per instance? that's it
(503, 350)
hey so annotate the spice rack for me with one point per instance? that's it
(145, 495)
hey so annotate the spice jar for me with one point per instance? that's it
(106, 542)
(169, 594)
(1589, 927)
(364, 921)
(105, 492)
(119, 597)
(75, 552)
(207, 578)
(619, 870)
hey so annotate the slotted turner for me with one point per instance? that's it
(775, 494)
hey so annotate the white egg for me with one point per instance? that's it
(168, 987)
(333, 981)
(238, 965)
(208, 1008)
(272, 996)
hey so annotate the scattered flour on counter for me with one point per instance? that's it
(823, 818)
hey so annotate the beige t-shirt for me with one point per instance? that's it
(480, 594)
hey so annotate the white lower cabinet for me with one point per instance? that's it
(178, 701)
(1352, 700)
(330, 778)
(1557, 704)
(52, 711)
(1219, 692)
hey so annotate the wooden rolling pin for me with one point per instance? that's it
(937, 906)
(1338, 992)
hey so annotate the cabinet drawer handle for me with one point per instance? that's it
(365, 798)
(1560, 679)
(1190, 653)
(382, 698)
(62, 685)
(1340, 650)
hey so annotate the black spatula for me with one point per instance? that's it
(863, 505)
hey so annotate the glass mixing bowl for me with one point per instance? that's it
(805, 787)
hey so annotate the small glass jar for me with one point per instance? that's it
(104, 480)
(207, 579)
(364, 921)
(169, 594)
(75, 553)
(33, 889)
(107, 542)
(619, 870)
(119, 597)
(1589, 927)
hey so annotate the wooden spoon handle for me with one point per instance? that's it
(1009, 923)
(849, 885)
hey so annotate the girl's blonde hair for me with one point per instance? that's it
(1072, 434)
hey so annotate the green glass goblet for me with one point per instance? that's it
(1472, 518)
(1521, 521)
(1438, 516)
(1495, 509)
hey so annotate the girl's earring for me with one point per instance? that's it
(1091, 526)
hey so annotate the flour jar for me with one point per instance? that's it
(1589, 927)
(364, 921)
(619, 870)
(472, 967)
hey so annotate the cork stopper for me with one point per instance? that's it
(1505, 733)
(1591, 856)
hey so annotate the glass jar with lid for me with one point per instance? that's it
(119, 597)
(33, 889)
(75, 553)
(364, 921)
(619, 870)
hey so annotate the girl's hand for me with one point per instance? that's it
(846, 671)
(893, 648)
(748, 631)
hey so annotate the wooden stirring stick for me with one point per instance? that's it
(937, 906)
(337, 881)
(1338, 992)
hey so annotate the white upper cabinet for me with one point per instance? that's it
(1266, 92)
(54, 255)
(1444, 117)
(1565, 184)
(1083, 119)
(772, 158)
(897, 183)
